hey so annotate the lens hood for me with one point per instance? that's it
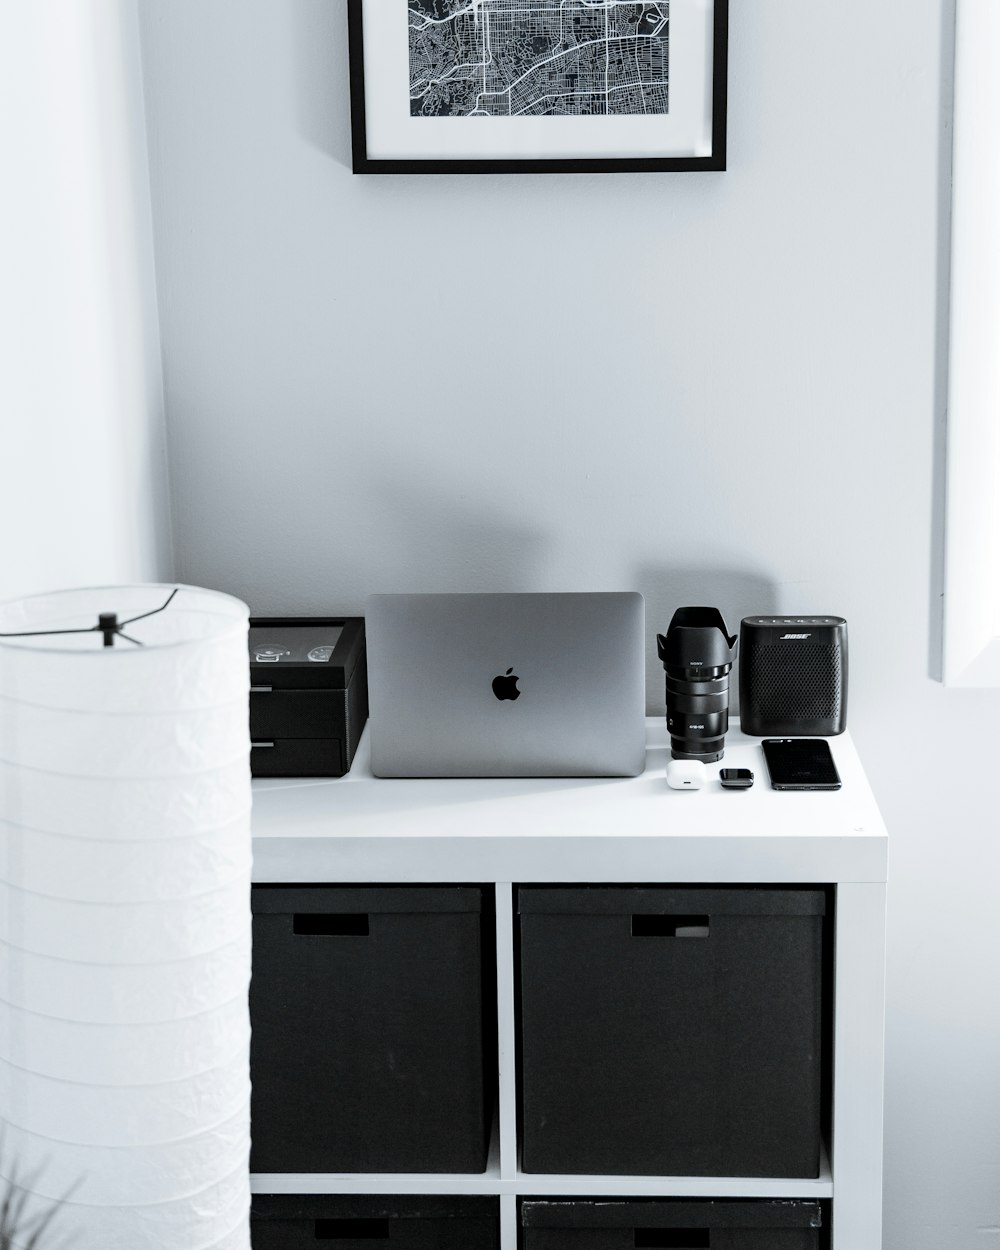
(696, 638)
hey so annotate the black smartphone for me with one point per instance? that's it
(800, 764)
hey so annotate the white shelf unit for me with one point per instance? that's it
(504, 832)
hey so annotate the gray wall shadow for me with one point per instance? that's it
(439, 540)
(323, 79)
(735, 592)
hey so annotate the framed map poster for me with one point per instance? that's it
(538, 86)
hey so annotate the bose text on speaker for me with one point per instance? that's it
(793, 675)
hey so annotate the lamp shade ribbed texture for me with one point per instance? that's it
(125, 917)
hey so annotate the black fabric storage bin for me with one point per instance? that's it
(348, 1222)
(680, 1225)
(671, 1031)
(367, 1052)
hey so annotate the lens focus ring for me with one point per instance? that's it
(698, 704)
(683, 685)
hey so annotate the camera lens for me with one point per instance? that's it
(697, 655)
(698, 737)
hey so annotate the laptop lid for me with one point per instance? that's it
(506, 685)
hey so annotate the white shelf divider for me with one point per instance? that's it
(508, 1221)
(859, 993)
(507, 1042)
(526, 1185)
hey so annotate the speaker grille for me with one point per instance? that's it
(803, 684)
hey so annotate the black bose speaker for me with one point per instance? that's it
(793, 675)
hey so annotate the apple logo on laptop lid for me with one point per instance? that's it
(505, 685)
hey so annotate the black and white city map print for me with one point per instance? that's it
(538, 58)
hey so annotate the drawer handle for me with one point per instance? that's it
(674, 1238)
(669, 926)
(330, 924)
(353, 1230)
(261, 689)
(255, 746)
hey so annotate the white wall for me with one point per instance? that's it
(82, 442)
(711, 388)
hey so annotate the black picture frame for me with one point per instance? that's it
(715, 162)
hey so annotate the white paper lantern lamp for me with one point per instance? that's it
(125, 914)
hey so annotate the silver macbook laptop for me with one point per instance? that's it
(506, 685)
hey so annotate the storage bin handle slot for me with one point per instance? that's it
(669, 926)
(354, 1230)
(674, 1238)
(330, 924)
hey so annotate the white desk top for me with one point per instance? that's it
(361, 828)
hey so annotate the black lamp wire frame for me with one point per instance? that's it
(108, 624)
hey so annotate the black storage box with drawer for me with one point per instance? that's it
(361, 1222)
(368, 1051)
(306, 715)
(671, 1031)
(680, 1225)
